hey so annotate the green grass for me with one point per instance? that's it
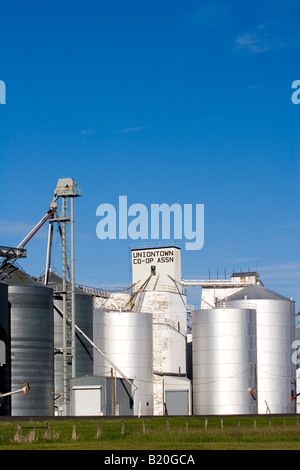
(161, 433)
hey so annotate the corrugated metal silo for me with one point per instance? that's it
(276, 372)
(126, 339)
(224, 354)
(31, 343)
(4, 336)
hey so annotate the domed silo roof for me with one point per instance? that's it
(256, 292)
(14, 276)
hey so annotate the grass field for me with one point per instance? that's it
(159, 433)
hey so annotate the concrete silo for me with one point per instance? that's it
(224, 355)
(275, 320)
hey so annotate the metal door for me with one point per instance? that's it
(177, 402)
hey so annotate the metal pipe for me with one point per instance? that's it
(212, 282)
(35, 229)
(140, 289)
(59, 220)
(48, 255)
(24, 389)
(182, 284)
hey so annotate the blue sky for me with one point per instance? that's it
(165, 102)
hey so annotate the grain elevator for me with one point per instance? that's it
(143, 350)
(156, 277)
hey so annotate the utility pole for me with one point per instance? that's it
(112, 391)
(256, 390)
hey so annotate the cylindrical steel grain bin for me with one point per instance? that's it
(276, 372)
(126, 339)
(224, 354)
(31, 343)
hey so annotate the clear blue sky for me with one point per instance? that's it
(163, 101)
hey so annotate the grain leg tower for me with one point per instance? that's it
(156, 277)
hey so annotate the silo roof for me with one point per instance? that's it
(56, 281)
(13, 276)
(257, 292)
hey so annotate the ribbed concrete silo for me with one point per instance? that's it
(126, 339)
(4, 336)
(83, 349)
(276, 372)
(224, 354)
(31, 343)
(169, 331)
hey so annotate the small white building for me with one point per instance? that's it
(215, 290)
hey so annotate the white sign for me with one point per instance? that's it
(153, 256)
(161, 263)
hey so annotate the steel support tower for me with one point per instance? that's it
(67, 190)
